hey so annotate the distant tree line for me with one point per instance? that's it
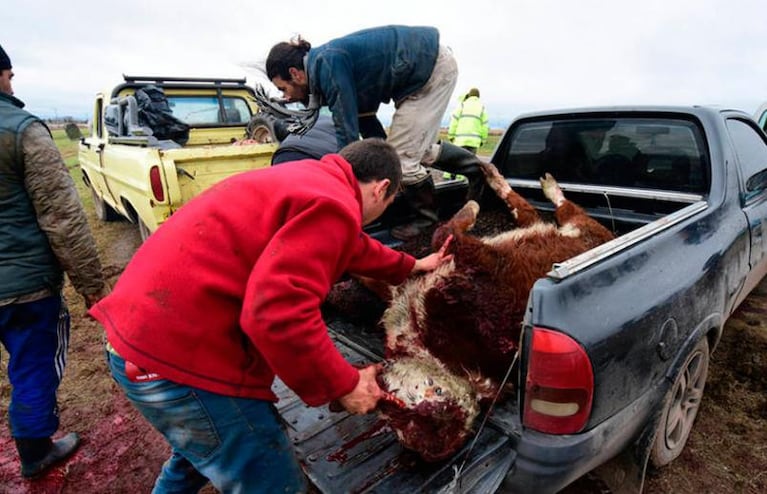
(64, 120)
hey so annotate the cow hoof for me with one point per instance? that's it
(551, 190)
(472, 206)
(465, 218)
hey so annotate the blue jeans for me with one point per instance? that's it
(36, 336)
(236, 443)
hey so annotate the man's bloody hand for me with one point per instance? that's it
(364, 398)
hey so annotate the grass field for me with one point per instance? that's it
(68, 149)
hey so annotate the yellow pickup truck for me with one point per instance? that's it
(156, 142)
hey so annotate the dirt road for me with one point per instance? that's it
(122, 454)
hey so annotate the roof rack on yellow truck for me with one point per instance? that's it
(135, 171)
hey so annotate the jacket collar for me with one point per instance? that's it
(11, 99)
(315, 97)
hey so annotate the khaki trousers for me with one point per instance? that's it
(417, 118)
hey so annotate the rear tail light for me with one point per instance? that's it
(560, 384)
(155, 180)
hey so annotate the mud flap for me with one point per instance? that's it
(625, 473)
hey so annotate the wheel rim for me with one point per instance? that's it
(688, 392)
(262, 135)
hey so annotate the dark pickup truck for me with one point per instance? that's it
(616, 341)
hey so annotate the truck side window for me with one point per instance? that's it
(751, 150)
(97, 123)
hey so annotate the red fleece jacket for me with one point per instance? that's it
(227, 292)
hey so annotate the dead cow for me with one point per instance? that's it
(451, 334)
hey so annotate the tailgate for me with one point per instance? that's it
(197, 168)
(357, 454)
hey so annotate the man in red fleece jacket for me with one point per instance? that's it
(227, 294)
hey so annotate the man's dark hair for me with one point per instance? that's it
(285, 55)
(374, 159)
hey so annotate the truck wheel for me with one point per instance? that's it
(266, 130)
(143, 230)
(104, 211)
(261, 130)
(681, 407)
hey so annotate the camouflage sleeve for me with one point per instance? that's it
(59, 211)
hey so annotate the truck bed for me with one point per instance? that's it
(357, 454)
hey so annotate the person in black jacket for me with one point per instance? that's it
(314, 144)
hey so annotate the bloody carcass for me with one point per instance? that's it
(451, 334)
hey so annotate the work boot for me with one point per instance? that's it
(458, 161)
(419, 198)
(39, 454)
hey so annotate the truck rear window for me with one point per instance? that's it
(206, 110)
(655, 153)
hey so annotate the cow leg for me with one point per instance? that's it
(468, 249)
(461, 222)
(495, 180)
(566, 211)
(464, 219)
(569, 213)
(524, 214)
(552, 191)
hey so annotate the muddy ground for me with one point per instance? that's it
(120, 453)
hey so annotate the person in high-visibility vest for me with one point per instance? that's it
(469, 124)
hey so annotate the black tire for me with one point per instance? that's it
(143, 230)
(681, 406)
(104, 211)
(262, 130)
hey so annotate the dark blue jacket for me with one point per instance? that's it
(356, 73)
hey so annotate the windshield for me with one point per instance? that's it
(655, 153)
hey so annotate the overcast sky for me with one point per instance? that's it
(523, 55)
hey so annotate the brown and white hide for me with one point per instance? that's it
(451, 334)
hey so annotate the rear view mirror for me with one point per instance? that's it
(757, 181)
(73, 132)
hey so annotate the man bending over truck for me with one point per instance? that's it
(226, 295)
(354, 74)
